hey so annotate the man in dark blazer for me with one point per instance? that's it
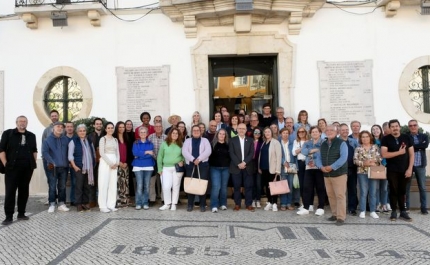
(241, 149)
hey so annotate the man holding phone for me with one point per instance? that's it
(398, 149)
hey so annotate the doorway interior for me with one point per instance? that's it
(243, 82)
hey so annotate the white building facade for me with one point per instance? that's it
(185, 34)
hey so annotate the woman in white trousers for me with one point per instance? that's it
(170, 159)
(107, 179)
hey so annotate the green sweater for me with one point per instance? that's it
(168, 156)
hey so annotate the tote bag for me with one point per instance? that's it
(279, 187)
(196, 186)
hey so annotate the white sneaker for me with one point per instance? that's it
(63, 208)
(164, 207)
(145, 207)
(301, 207)
(113, 209)
(51, 209)
(104, 210)
(173, 207)
(268, 207)
(362, 215)
(215, 210)
(253, 204)
(258, 205)
(311, 208)
(303, 212)
(274, 207)
(374, 215)
(319, 212)
(138, 207)
(223, 207)
(389, 207)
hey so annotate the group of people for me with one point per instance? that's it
(243, 151)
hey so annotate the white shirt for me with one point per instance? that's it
(242, 147)
(298, 145)
(286, 151)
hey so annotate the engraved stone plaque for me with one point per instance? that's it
(346, 91)
(143, 89)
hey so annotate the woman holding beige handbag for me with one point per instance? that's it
(366, 156)
(269, 165)
(196, 151)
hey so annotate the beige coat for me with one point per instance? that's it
(275, 157)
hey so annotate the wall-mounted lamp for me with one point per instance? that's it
(59, 19)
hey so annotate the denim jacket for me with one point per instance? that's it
(308, 146)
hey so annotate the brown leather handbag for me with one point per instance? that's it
(377, 172)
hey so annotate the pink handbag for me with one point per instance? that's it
(279, 187)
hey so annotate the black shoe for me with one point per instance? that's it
(151, 203)
(332, 218)
(23, 217)
(72, 204)
(405, 216)
(196, 203)
(424, 212)
(202, 209)
(189, 208)
(340, 222)
(353, 213)
(7, 221)
(393, 216)
(296, 204)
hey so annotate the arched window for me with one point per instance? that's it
(64, 95)
(419, 88)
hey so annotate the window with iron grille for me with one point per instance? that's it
(419, 88)
(64, 95)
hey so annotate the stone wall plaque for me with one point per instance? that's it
(346, 91)
(143, 89)
(1, 102)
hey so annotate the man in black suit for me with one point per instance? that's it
(241, 149)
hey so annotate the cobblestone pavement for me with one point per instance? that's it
(180, 237)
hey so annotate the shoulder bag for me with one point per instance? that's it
(279, 187)
(377, 172)
(196, 186)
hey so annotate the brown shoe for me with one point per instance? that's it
(86, 207)
(79, 208)
(93, 204)
(283, 208)
(290, 208)
(236, 208)
(250, 208)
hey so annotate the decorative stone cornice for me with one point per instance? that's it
(212, 13)
(31, 14)
(391, 7)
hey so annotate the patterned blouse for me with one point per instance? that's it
(361, 155)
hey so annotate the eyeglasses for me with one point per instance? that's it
(413, 125)
(157, 120)
(257, 132)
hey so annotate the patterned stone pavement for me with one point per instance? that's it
(178, 237)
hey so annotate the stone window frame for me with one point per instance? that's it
(46, 79)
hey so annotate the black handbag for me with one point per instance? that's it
(179, 168)
(2, 168)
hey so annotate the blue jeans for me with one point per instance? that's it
(72, 184)
(382, 192)
(143, 177)
(256, 190)
(287, 199)
(57, 183)
(367, 186)
(420, 175)
(219, 181)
